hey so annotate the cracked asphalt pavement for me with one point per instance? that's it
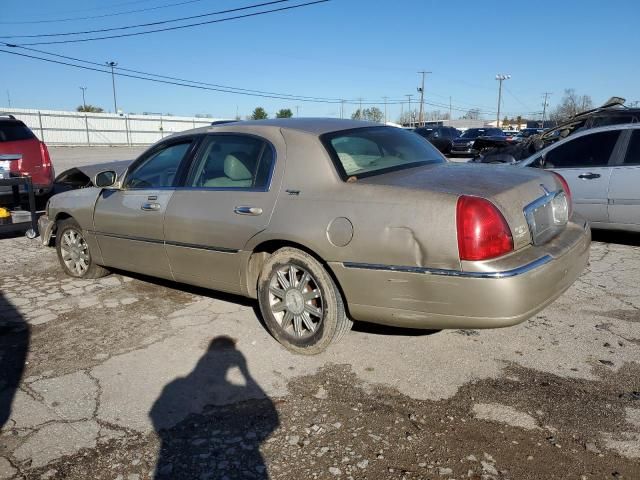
(128, 377)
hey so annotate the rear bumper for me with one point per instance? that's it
(462, 151)
(419, 297)
(39, 189)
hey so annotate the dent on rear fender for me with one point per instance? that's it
(404, 239)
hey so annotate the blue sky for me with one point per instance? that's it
(339, 49)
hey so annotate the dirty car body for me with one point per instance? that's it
(395, 227)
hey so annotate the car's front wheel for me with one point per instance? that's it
(73, 251)
(300, 303)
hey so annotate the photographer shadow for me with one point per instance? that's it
(15, 336)
(212, 422)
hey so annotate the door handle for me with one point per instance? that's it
(150, 207)
(589, 176)
(245, 210)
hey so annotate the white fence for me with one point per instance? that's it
(56, 127)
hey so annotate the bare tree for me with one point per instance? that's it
(373, 114)
(473, 114)
(571, 105)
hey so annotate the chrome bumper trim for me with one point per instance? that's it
(453, 273)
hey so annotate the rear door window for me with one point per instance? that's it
(233, 162)
(587, 151)
(13, 131)
(633, 151)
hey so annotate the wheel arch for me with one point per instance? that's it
(265, 249)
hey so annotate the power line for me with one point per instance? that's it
(164, 79)
(105, 15)
(150, 24)
(293, 97)
(179, 27)
(516, 98)
(183, 84)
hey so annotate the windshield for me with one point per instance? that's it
(364, 152)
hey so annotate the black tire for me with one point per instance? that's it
(86, 268)
(328, 316)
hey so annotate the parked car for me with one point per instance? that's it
(327, 221)
(465, 143)
(510, 134)
(526, 133)
(613, 112)
(602, 168)
(17, 138)
(440, 137)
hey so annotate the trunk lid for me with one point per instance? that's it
(511, 189)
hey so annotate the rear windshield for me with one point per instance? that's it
(364, 152)
(12, 131)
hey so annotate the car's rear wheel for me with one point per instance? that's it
(300, 303)
(73, 251)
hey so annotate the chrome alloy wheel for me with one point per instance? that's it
(75, 252)
(296, 301)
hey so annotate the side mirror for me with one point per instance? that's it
(105, 179)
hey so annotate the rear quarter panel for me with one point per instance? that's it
(390, 226)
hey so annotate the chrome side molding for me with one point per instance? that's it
(453, 273)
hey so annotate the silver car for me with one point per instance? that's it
(602, 168)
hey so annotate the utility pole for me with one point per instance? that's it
(8, 98)
(401, 113)
(113, 64)
(84, 102)
(544, 107)
(501, 78)
(342, 108)
(297, 111)
(421, 90)
(410, 115)
(385, 108)
(450, 115)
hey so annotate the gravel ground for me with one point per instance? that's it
(131, 378)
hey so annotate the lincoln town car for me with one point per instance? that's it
(325, 222)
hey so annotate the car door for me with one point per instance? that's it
(583, 162)
(128, 222)
(624, 188)
(228, 197)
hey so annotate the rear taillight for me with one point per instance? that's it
(44, 155)
(483, 233)
(567, 191)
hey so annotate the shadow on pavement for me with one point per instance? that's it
(15, 335)
(223, 438)
(612, 236)
(184, 287)
(387, 330)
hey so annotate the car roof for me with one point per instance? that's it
(313, 126)
(590, 131)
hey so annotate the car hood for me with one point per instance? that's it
(510, 189)
(78, 177)
(464, 140)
